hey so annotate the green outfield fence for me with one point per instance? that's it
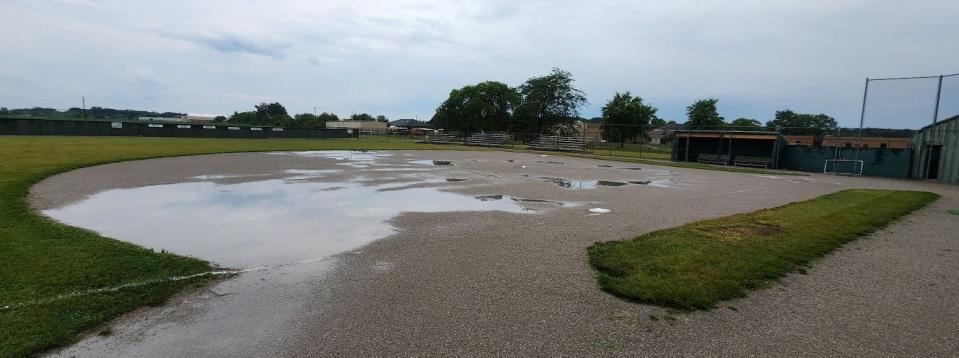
(100, 127)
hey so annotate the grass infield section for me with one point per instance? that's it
(694, 266)
(40, 258)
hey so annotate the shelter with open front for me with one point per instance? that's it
(739, 148)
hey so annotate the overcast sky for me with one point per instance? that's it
(401, 58)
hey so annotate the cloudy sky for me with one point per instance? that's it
(401, 58)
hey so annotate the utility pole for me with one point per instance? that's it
(83, 105)
(314, 111)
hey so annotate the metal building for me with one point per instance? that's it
(937, 151)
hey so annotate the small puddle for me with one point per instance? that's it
(431, 162)
(264, 222)
(355, 159)
(585, 184)
(609, 183)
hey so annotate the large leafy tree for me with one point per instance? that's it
(745, 123)
(802, 123)
(625, 118)
(362, 117)
(549, 103)
(264, 114)
(270, 114)
(327, 117)
(242, 117)
(703, 115)
(483, 106)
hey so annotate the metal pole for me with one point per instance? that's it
(927, 144)
(935, 114)
(862, 116)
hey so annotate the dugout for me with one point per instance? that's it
(936, 151)
(739, 148)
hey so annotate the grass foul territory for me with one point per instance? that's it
(699, 264)
(44, 265)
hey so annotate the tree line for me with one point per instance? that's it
(550, 105)
(91, 113)
(274, 114)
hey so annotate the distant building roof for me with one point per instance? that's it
(670, 127)
(410, 123)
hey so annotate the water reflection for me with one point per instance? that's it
(355, 159)
(262, 222)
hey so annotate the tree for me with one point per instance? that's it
(625, 117)
(242, 117)
(362, 117)
(327, 117)
(484, 106)
(658, 122)
(382, 118)
(305, 120)
(548, 103)
(270, 114)
(265, 114)
(703, 115)
(801, 123)
(745, 123)
(219, 119)
(4, 110)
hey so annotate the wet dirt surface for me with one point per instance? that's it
(502, 282)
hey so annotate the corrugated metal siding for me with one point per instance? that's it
(946, 134)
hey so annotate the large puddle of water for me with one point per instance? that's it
(265, 222)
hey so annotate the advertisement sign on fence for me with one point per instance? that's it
(117, 125)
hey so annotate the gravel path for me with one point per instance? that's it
(496, 283)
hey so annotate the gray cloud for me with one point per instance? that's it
(402, 57)
(233, 43)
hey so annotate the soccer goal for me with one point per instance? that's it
(843, 167)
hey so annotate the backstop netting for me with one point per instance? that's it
(894, 110)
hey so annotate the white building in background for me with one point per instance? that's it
(375, 126)
(162, 119)
(198, 117)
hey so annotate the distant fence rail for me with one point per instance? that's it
(495, 139)
(560, 143)
(38, 126)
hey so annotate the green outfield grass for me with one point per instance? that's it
(694, 266)
(40, 259)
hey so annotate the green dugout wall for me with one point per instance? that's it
(38, 126)
(893, 163)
